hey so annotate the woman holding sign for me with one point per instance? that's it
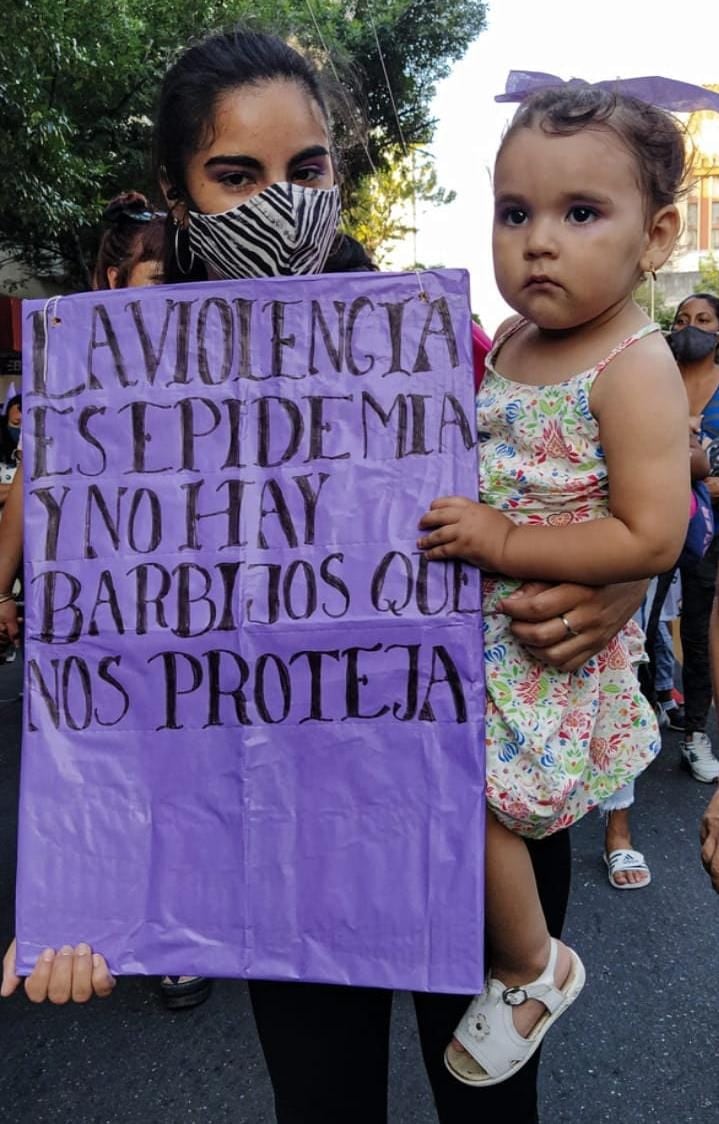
(245, 155)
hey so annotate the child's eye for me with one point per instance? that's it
(514, 216)
(581, 215)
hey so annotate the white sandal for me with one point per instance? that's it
(619, 861)
(487, 1030)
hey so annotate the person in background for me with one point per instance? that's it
(693, 339)
(709, 825)
(132, 245)
(627, 868)
(130, 255)
(10, 426)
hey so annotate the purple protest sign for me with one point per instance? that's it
(254, 712)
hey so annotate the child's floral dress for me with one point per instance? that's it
(557, 742)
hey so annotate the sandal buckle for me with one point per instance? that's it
(514, 996)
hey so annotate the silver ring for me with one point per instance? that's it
(570, 631)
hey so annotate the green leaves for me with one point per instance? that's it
(78, 80)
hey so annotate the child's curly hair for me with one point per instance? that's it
(655, 139)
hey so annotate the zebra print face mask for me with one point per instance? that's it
(282, 231)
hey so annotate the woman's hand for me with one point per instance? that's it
(565, 625)
(712, 485)
(9, 622)
(72, 973)
(709, 838)
(462, 528)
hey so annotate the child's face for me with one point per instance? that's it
(569, 226)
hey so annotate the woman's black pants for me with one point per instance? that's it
(698, 584)
(327, 1047)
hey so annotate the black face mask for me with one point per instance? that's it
(691, 345)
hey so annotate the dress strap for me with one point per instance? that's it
(647, 330)
(501, 340)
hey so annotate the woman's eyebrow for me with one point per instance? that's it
(236, 161)
(308, 153)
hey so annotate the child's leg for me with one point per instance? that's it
(531, 981)
(518, 936)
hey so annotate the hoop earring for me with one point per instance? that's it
(652, 292)
(191, 262)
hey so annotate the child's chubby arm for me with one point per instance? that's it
(641, 406)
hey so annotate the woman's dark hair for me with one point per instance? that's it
(8, 447)
(711, 299)
(185, 115)
(134, 234)
(652, 137)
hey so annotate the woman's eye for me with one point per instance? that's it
(582, 215)
(308, 173)
(235, 179)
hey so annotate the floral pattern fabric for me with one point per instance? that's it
(558, 743)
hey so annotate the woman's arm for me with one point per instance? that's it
(10, 554)
(641, 407)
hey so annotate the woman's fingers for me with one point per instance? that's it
(569, 655)
(70, 974)
(10, 980)
(709, 838)
(102, 982)
(82, 973)
(710, 859)
(37, 983)
(60, 984)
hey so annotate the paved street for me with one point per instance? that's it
(640, 1046)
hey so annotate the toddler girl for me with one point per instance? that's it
(582, 421)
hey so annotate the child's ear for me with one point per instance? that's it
(662, 234)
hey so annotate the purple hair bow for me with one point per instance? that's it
(666, 93)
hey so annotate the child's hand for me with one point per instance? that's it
(465, 529)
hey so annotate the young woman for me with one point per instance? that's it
(10, 425)
(243, 135)
(694, 340)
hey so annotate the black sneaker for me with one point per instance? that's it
(182, 992)
(672, 717)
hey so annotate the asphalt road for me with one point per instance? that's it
(639, 1047)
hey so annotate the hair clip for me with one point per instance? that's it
(665, 93)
